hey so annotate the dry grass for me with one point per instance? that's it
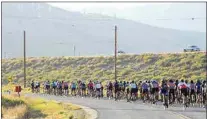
(25, 107)
(17, 112)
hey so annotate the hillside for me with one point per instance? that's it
(130, 67)
(52, 31)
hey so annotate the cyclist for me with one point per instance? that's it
(65, 85)
(121, 88)
(83, 87)
(54, 86)
(98, 89)
(133, 90)
(140, 89)
(144, 90)
(172, 87)
(184, 91)
(116, 89)
(110, 88)
(48, 86)
(204, 88)
(90, 88)
(164, 92)
(198, 91)
(192, 91)
(73, 88)
(32, 86)
(155, 90)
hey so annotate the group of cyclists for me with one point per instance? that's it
(151, 91)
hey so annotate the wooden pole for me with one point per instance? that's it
(24, 59)
(115, 52)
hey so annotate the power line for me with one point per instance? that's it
(101, 18)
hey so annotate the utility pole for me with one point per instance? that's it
(24, 59)
(74, 50)
(115, 52)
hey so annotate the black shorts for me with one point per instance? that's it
(83, 89)
(192, 92)
(198, 91)
(155, 90)
(73, 89)
(98, 89)
(145, 91)
(116, 90)
(110, 88)
(47, 87)
(54, 87)
(133, 90)
(66, 88)
(172, 91)
(184, 91)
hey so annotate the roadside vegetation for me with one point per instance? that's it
(14, 107)
(129, 67)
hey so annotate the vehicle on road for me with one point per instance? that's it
(192, 48)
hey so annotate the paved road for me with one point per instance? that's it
(110, 109)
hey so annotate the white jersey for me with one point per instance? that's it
(98, 86)
(182, 85)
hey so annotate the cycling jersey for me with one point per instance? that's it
(90, 85)
(98, 86)
(171, 85)
(121, 85)
(133, 85)
(110, 85)
(144, 86)
(182, 85)
(192, 86)
(164, 89)
(198, 86)
(155, 84)
(83, 85)
(53, 84)
(116, 85)
(73, 85)
(65, 84)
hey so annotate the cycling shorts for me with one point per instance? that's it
(73, 89)
(66, 87)
(155, 90)
(184, 91)
(145, 91)
(192, 92)
(98, 89)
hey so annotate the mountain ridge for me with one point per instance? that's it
(46, 34)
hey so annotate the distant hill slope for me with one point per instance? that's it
(52, 31)
(129, 67)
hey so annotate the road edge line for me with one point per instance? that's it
(91, 113)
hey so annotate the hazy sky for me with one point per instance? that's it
(168, 15)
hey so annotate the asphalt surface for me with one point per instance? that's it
(110, 109)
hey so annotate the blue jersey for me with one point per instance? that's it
(198, 86)
(144, 86)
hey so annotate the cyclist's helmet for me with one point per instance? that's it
(191, 81)
(182, 80)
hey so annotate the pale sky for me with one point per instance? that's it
(177, 14)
